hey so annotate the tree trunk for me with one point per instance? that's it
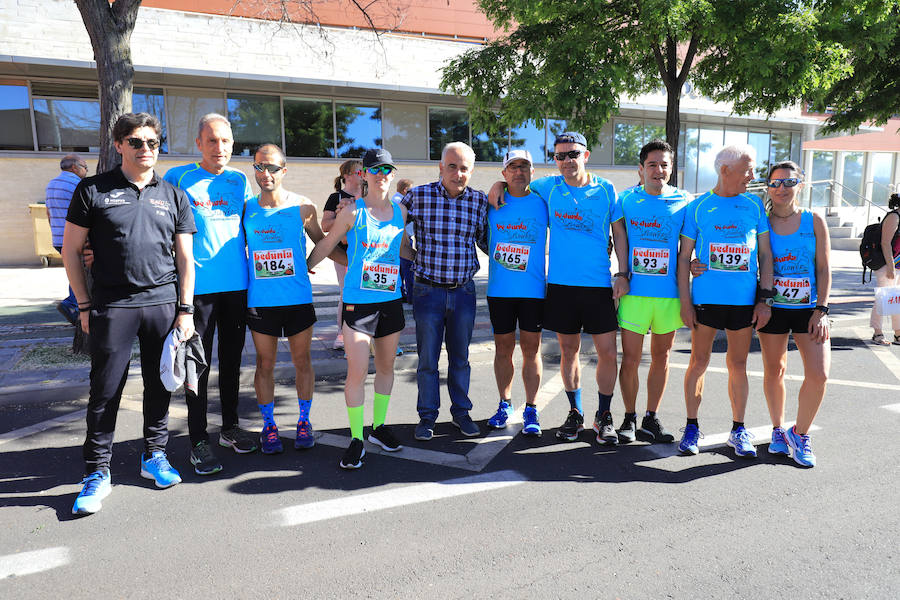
(673, 129)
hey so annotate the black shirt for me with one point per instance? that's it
(332, 204)
(132, 233)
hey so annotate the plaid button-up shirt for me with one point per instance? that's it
(446, 230)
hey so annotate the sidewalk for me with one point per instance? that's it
(35, 339)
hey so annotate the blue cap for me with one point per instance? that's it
(570, 137)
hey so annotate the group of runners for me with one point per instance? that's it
(198, 250)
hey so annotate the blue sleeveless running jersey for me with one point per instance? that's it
(653, 224)
(373, 254)
(725, 232)
(276, 243)
(217, 201)
(517, 242)
(794, 256)
(579, 230)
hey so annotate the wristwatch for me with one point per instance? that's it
(767, 301)
(821, 307)
(624, 274)
(185, 308)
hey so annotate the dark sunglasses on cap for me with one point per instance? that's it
(561, 156)
(261, 167)
(788, 182)
(138, 143)
(383, 169)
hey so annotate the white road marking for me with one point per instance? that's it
(433, 457)
(26, 563)
(400, 496)
(42, 426)
(858, 384)
(884, 354)
(892, 407)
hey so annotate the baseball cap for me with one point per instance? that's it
(517, 155)
(570, 137)
(377, 157)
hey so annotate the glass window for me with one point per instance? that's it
(653, 131)
(255, 120)
(308, 128)
(882, 171)
(446, 125)
(627, 141)
(853, 177)
(735, 136)
(528, 136)
(797, 147)
(601, 154)
(691, 141)
(780, 148)
(709, 144)
(822, 170)
(151, 100)
(490, 148)
(185, 109)
(760, 142)
(15, 118)
(554, 128)
(67, 125)
(358, 128)
(405, 129)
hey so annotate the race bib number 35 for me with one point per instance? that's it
(273, 263)
(379, 277)
(512, 256)
(792, 291)
(729, 257)
(650, 261)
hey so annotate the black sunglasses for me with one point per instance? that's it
(561, 156)
(267, 167)
(138, 143)
(788, 182)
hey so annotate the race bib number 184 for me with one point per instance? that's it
(273, 263)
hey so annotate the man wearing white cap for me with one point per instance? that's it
(516, 239)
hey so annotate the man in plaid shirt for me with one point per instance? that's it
(448, 218)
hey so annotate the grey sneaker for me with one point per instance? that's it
(466, 425)
(239, 440)
(203, 459)
(605, 430)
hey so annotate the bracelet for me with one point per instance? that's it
(84, 308)
(821, 308)
(624, 274)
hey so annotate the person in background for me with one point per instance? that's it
(406, 272)
(886, 276)
(59, 193)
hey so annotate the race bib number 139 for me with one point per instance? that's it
(729, 257)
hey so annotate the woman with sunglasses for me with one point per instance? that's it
(373, 309)
(347, 188)
(800, 247)
(886, 276)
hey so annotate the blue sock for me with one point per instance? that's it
(304, 409)
(268, 414)
(575, 400)
(605, 401)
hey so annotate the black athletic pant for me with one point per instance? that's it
(227, 312)
(113, 330)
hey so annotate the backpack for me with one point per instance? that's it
(870, 248)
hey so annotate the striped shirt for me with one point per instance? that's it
(446, 230)
(59, 194)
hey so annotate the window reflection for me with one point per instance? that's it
(882, 169)
(308, 128)
(15, 120)
(490, 148)
(709, 144)
(822, 170)
(760, 143)
(529, 136)
(255, 120)
(446, 125)
(185, 109)
(358, 128)
(67, 125)
(152, 101)
(554, 128)
(404, 129)
(853, 177)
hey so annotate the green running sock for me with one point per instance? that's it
(355, 413)
(379, 414)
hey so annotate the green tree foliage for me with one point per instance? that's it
(574, 60)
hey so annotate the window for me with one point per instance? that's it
(358, 128)
(152, 101)
(490, 148)
(308, 128)
(185, 109)
(760, 142)
(67, 125)
(882, 171)
(15, 118)
(691, 141)
(709, 144)
(853, 178)
(529, 136)
(630, 135)
(822, 169)
(404, 128)
(554, 128)
(255, 120)
(780, 147)
(446, 125)
(735, 136)
(797, 147)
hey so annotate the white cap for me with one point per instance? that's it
(517, 155)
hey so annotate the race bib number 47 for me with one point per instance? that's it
(792, 291)
(273, 263)
(512, 256)
(650, 261)
(729, 257)
(379, 277)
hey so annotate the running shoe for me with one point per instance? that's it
(269, 441)
(157, 468)
(239, 440)
(203, 459)
(424, 430)
(382, 436)
(739, 439)
(605, 430)
(800, 448)
(466, 425)
(652, 431)
(504, 412)
(690, 439)
(530, 419)
(304, 439)
(95, 487)
(779, 444)
(353, 456)
(573, 425)
(626, 432)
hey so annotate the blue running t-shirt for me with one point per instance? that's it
(220, 258)
(579, 230)
(794, 258)
(373, 257)
(653, 224)
(517, 242)
(725, 231)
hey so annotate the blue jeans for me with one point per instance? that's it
(70, 299)
(443, 315)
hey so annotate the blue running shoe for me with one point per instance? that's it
(690, 440)
(157, 468)
(504, 411)
(304, 439)
(530, 418)
(779, 443)
(800, 449)
(269, 442)
(739, 439)
(95, 487)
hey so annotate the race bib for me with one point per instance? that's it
(729, 257)
(650, 261)
(792, 291)
(273, 263)
(512, 256)
(379, 277)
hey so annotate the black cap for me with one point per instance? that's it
(377, 157)
(570, 137)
